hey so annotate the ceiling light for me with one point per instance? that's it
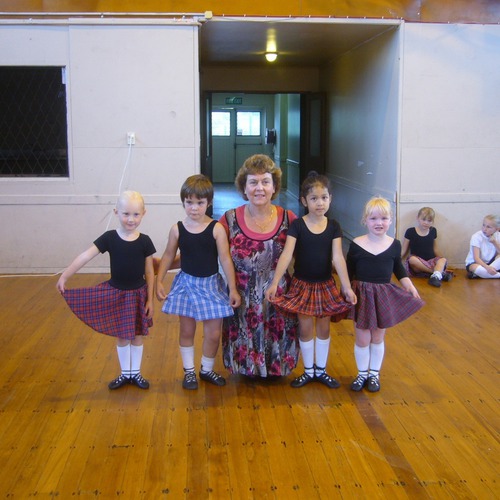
(271, 56)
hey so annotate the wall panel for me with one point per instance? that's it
(450, 133)
(119, 78)
(363, 89)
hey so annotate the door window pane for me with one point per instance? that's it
(221, 123)
(248, 123)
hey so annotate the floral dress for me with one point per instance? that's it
(258, 340)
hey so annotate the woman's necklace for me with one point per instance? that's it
(262, 226)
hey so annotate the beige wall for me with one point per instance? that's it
(414, 117)
(120, 78)
(450, 130)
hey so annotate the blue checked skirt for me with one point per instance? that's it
(314, 299)
(198, 298)
(108, 310)
(382, 305)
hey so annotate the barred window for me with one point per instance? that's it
(33, 122)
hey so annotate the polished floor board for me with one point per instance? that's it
(432, 431)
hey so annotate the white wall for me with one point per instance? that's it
(120, 78)
(450, 154)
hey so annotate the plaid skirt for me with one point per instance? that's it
(382, 305)
(430, 264)
(314, 299)
(198, 298)
(108, 310)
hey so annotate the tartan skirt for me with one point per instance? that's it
(198, 298)
(108, 310)
(430, 264)
(382, 305)
(314, 299)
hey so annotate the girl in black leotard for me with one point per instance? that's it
(316, 243)
(371, 261)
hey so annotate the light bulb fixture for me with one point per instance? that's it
(271, 56)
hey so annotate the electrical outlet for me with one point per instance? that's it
(130, 138)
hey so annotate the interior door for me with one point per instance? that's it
(206, 135)
(223, 144)
(237, 133)
(312, 134)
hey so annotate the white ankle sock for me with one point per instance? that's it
(207, 364)
(322, 348)
(362, 357)
(376, 356)
(307, 351)
(124, 359)
(135, 359)
(482, 273)
(187, 355)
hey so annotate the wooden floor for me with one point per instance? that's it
(432, 431)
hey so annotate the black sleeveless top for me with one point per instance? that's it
(199, 251)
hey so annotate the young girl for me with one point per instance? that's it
(316, 242)
(123, 306)
(483, 259)
(424, 259)
(198, 291)
(371, 261)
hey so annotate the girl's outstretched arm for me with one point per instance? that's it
(76, 265)
(222, 243)
(283, 263)
(409, 287)
(150, 282)
(436, 250)
(405, 247)
(166, 261)
(176, 264)
(341, 269)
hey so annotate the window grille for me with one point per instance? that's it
(33, 122)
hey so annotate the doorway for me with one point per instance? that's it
(236, 125)
(356, 65)
(290, 128)
(237, 133)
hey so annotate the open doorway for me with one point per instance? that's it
(237, 133)
(355, 64)
(290, 128)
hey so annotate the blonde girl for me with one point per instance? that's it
(424, 258)
(372, 259)
(483, 259)
(122, 306)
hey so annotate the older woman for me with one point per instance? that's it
(258, 340)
